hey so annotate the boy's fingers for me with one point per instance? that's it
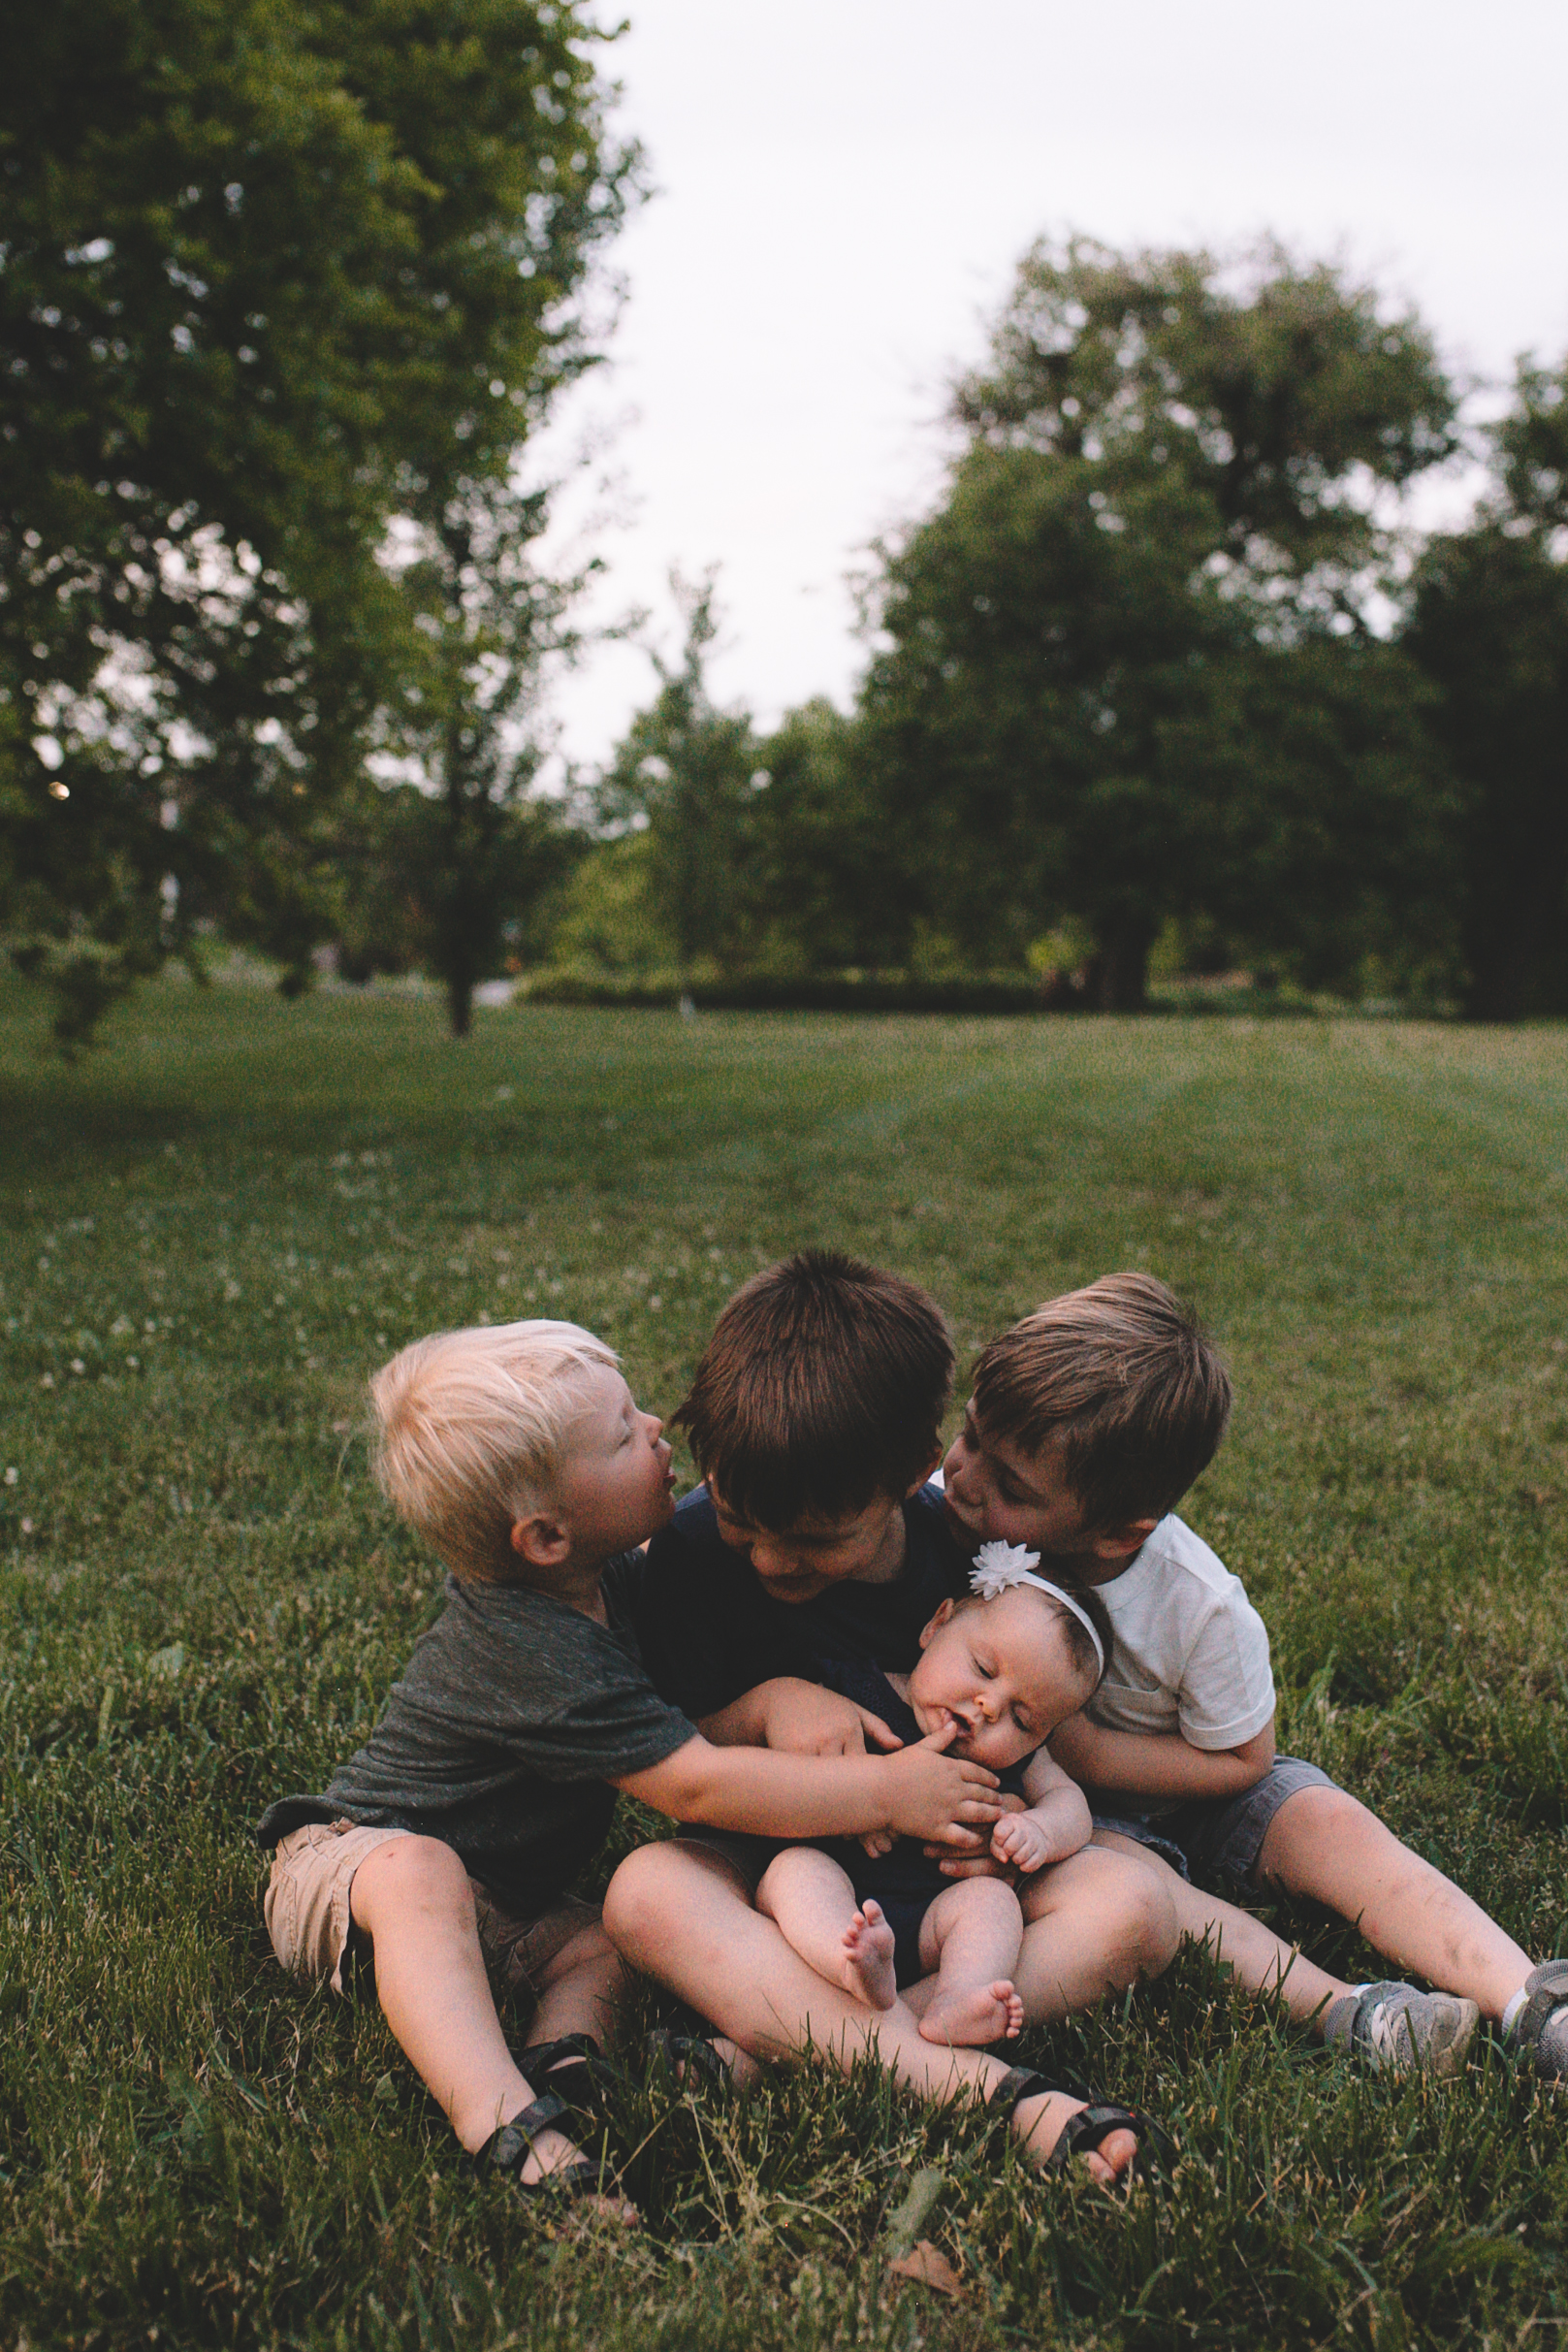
(938, 1740)
(965, 1842)
(874, 1728)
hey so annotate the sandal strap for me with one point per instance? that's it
(1088, 2129)
(579, 2178)
(1548, 1988)
(573, 2066)
(507, 2149)
(694, 2051)
(1092, 2126)
(1018, 2083)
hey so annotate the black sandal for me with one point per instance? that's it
(574, 2068)
(694, 2052)
(508, 2149)
(1087, 2130)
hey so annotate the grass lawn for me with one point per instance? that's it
(214, 1230)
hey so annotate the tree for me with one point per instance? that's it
(689, 773)
(469, 851)
(1171, 471)
(821, 893)
(273, 274)
(1488, 627)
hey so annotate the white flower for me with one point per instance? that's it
(1000, 1565)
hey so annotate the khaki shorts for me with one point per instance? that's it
(306, 1908)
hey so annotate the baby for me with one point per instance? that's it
(998, 1671)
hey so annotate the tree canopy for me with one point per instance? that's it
(1169, 491)
(273, 273)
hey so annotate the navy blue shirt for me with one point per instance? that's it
(708, 1632)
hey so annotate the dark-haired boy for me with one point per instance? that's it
(814, 1415)
(1088, 1422)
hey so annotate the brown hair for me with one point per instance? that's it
(1120, 1385)
(471, 1428)
(822, 1387)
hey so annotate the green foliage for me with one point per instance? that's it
(686, 772)
(273, 274)
(1489, 625)
(202, 1601)
(1103, 693)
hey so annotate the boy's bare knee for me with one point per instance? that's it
(410, 1874)
(1313, 1823)
(639, 1897)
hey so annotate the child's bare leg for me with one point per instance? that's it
(1241, 1942)
(582, 1989)
(1325, 1845)
(971, 1937)
(1093, 1926)
(412, 1898)
(814, 1903)
(682, 1915)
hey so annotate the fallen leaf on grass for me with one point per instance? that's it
(928, 2268)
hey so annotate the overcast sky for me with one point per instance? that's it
(842, 189)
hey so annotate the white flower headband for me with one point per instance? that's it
(998, 1566)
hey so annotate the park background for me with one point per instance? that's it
(404, 930)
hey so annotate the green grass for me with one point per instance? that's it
(213, 1229)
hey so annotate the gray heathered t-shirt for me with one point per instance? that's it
(510, 1716)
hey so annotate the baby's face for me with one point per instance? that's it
(1002, 1671)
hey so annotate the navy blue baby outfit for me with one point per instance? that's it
(905, 1881)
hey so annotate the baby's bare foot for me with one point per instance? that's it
(985, 2012)
(868, 1957)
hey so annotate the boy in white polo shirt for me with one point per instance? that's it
(1089, 1420)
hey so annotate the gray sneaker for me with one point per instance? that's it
(1393, 2026)
(1540, 2028)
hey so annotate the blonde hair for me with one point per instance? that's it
(471, 1428)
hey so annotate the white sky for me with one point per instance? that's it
(843, 188)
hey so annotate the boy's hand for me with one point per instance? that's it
(966, 1853)
(805, 1719)
(932, 1794)
(1020, 1840)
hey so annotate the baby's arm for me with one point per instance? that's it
(919, 1792)
(1055, 1825)
(1159, 1763)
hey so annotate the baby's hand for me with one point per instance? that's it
(1019, 1839)
(878, 1842)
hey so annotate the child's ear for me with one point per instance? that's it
(935, 1623)
(541, 1540)
(1121, 1542)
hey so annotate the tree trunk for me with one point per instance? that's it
(1119, 972)
(460, 1003)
